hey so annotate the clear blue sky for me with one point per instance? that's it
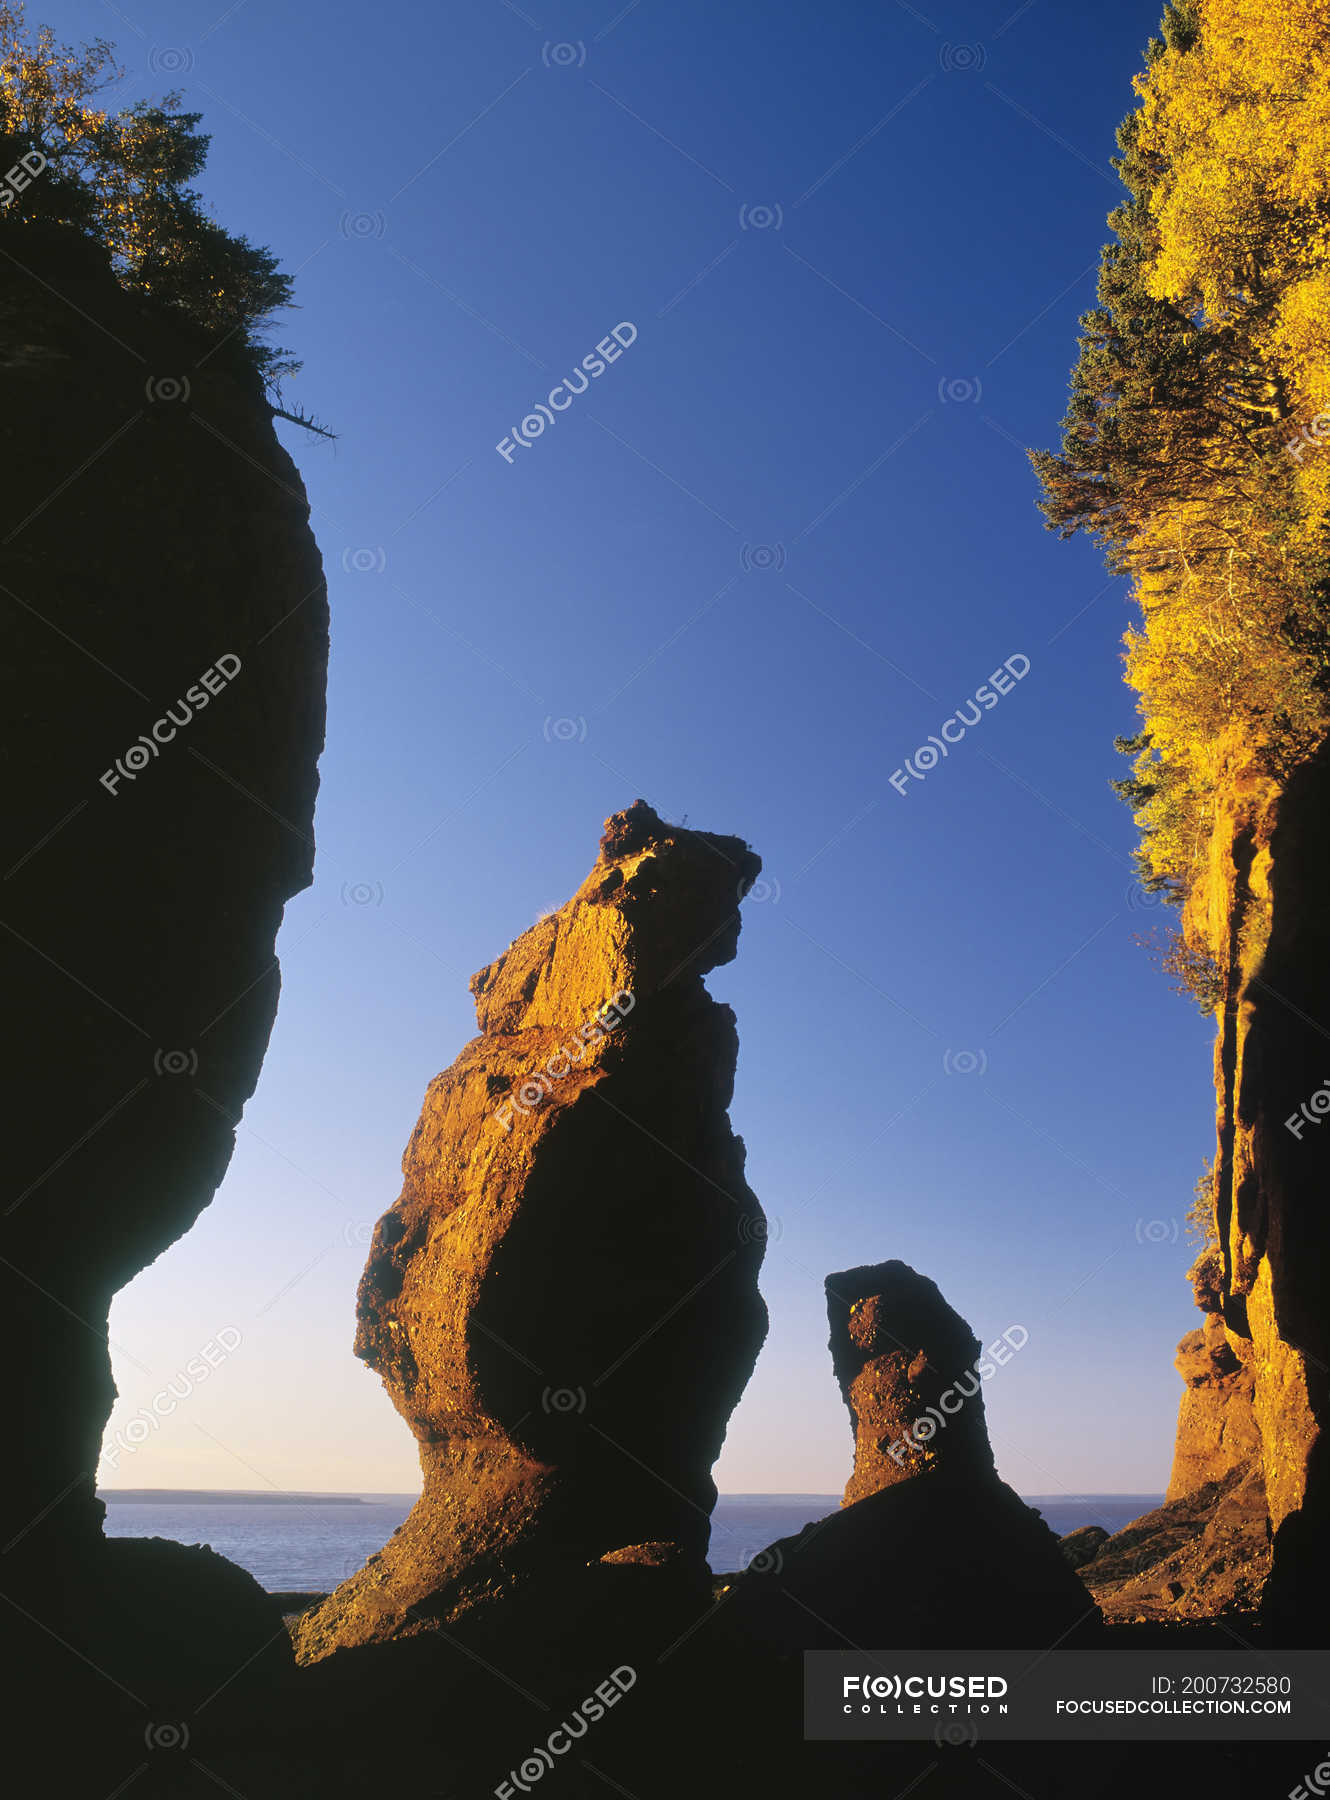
(746, 574)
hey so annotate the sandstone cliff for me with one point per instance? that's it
(563, 1302)
(1206, 1551)
(1260, 914)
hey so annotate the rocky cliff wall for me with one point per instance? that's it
(1262, 913)
(167, 633)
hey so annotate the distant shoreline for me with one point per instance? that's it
(226, 1497)
(260, 1497)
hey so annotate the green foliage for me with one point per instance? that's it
(123, 177)
(1201, 1226)
(1195, 973)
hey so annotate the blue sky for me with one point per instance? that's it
(746, 574)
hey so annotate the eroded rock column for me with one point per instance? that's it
(563, 1301)
(911, 1372)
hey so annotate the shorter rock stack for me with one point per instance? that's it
(911, 1372)
(929, 1549)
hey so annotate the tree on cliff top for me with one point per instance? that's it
(122, 177)
(1192, 448)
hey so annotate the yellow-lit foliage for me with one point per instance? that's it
(1231, 660)
(1240, 125)
(123, 177)
(47, 99)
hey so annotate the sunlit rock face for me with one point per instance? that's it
(1262, 911)
(563, 1301)
(911, 1372)
(1207, 1549)
(164, 600)
(1217, 1429)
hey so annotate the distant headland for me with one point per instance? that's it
(222, 1497)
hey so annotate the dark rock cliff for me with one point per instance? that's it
(167, 638)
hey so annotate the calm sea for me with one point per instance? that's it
(311, 1545)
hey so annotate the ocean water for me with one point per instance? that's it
(309, 1545)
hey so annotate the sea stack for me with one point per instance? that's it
(909, 1371)
(929, 1548)
(563, 1301)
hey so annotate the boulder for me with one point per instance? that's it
(1200, 1556)
(1083, 1544)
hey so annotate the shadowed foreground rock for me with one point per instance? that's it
(563, 1302)
(1084, 1544)
(166, 630)
(155, 560)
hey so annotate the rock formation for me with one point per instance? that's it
(939, 1552)
(1201, 1555)
(166, 635)
(1261, 913)
(908, 1368)
(1084, 1544)
(1217, 1428)
(563, 1301)
(1206, 1551)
